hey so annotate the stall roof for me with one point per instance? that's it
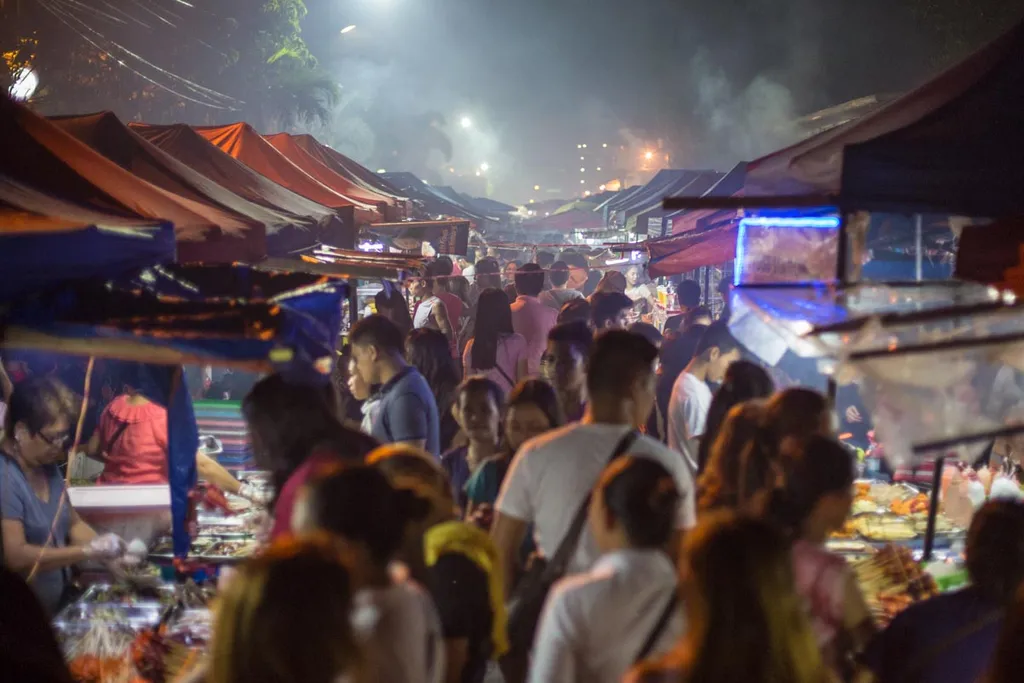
(245, 144)
(577, 219)
(106, 134)
(655, 188)
(340, 163)
(953, 144)
(467, 203)
(195, 151)
(687, 221)
(487, 204)
(45, 241)
(287, 145)
(41, 156)
(356, 264)
(688, 185)
(433, 202)
(962, 151)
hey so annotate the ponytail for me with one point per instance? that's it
(642, 496)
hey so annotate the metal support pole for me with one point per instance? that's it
(933, 508)
(353, 303)
(842, 251)
(918, 256)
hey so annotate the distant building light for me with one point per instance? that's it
(583, 158)
(579, 146)
(601, 188)
(583, 170)
(382, 170)
(536, 187)
(598, 168)
(587, 193)
(648, 155)
(478, 174)
(584, 146)
(582, 182)
(604, 144)
(533, 201)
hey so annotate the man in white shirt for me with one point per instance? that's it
(551, 475)
(691, 397)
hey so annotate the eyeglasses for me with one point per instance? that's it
(58, 441)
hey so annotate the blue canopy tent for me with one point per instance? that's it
(91, 243)
(159, 317)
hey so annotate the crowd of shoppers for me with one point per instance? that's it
(577, 501)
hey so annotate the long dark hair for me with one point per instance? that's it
(743, 381)
(493, 321)
(429, 352)
(394, 307)
(742, 570)
(358, 503)
(288, 421)
(823, 466)
(1008, 657)
(735, 472)
(641, 495)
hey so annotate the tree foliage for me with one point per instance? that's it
(214, 63)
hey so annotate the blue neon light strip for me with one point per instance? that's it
(818, 223)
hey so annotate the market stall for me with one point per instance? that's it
(137, 624)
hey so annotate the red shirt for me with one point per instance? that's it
(285, 507)
(138, 455)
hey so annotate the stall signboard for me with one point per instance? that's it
(771, 249)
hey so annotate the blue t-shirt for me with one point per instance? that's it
(19, 502)
(926, 625)
(407, 411)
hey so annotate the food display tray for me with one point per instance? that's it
(94, 596)
(216, 552)
(77, 616)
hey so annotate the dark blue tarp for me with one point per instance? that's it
(963, 157)
(432, 201)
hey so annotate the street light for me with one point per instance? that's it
(466, 122)
(485, 167)
(348, 29)
(648, 155)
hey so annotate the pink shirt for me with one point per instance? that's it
(285, 507)
(138, 455)
(533, 320)
(511, 349)
(821, 579)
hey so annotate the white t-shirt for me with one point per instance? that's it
(401, 633)
(424, 313)
(595, 624)
(552, 474)
(688, 415)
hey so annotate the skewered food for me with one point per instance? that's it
(891, 581)
(885, 528)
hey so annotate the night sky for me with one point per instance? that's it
(539, 74)
(713, 82)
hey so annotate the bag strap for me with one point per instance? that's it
(659, 628)
(121, 427)
(928, 656)
(559, 562)
(511, 382)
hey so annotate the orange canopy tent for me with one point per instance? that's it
(242, 142)
(286, 145)
(42, 157)
(339, 163)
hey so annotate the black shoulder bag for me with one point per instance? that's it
(659, 628)
(528, 600)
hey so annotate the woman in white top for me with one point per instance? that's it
(597, 625)
(495, 350)
(394, 617)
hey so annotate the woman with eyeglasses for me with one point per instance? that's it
(42, 534)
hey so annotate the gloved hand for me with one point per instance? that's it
(105, 547)
(255, 495)
(135, 553)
